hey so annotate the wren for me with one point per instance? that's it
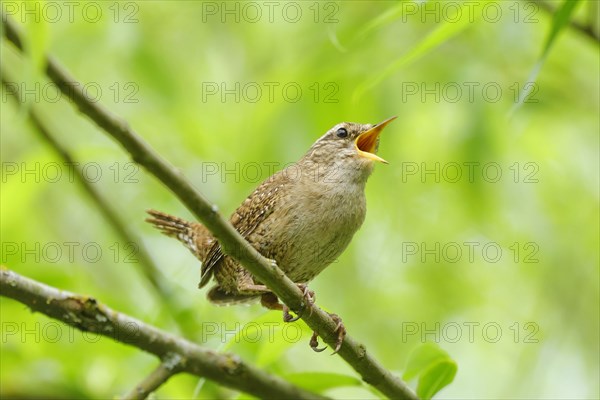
(303, 217)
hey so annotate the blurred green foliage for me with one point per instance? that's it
(499, 266)
(434, 368)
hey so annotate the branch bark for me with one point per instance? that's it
(147, 266)
(233, 244)
(166, 369)
(177, 354)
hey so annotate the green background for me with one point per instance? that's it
(522, 323)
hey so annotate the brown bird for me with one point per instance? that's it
(303, 217)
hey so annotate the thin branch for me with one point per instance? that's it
(586, 29)
(231, 241)
(88, 315)
(147, 265)
(166, 369)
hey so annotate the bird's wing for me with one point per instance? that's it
(255, 209)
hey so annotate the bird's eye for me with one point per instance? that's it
(342, 133)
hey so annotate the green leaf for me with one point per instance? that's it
(559, 21)
(422, 358)
(436, 378)
(433, 366)
(321, 381)
(443, 32)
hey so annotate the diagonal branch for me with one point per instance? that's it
(147, 265)
(232, 243)
(177, 354)
(170, 366)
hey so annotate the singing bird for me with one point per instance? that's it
(303, 217)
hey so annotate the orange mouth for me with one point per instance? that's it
(366, 142)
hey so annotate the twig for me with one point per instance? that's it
(86, 314)
(231, 241)
(166, 369)
(147, 266)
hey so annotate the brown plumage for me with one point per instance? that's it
(302, 217)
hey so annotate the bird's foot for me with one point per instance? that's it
(308, 295)
(287, 317)
(341, 334)
(314, 343)
(309, 300)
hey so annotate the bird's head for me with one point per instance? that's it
(349, 145)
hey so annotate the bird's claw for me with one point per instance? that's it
(309, 300)
(314, 343)
(309, 297)
(287, 317)
(341, 332)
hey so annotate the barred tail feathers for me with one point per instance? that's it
(186, 232)
(199, 241)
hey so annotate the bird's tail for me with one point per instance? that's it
(193, 235)
(218, 296)
(198, 240)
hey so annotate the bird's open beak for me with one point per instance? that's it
(366, 142)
